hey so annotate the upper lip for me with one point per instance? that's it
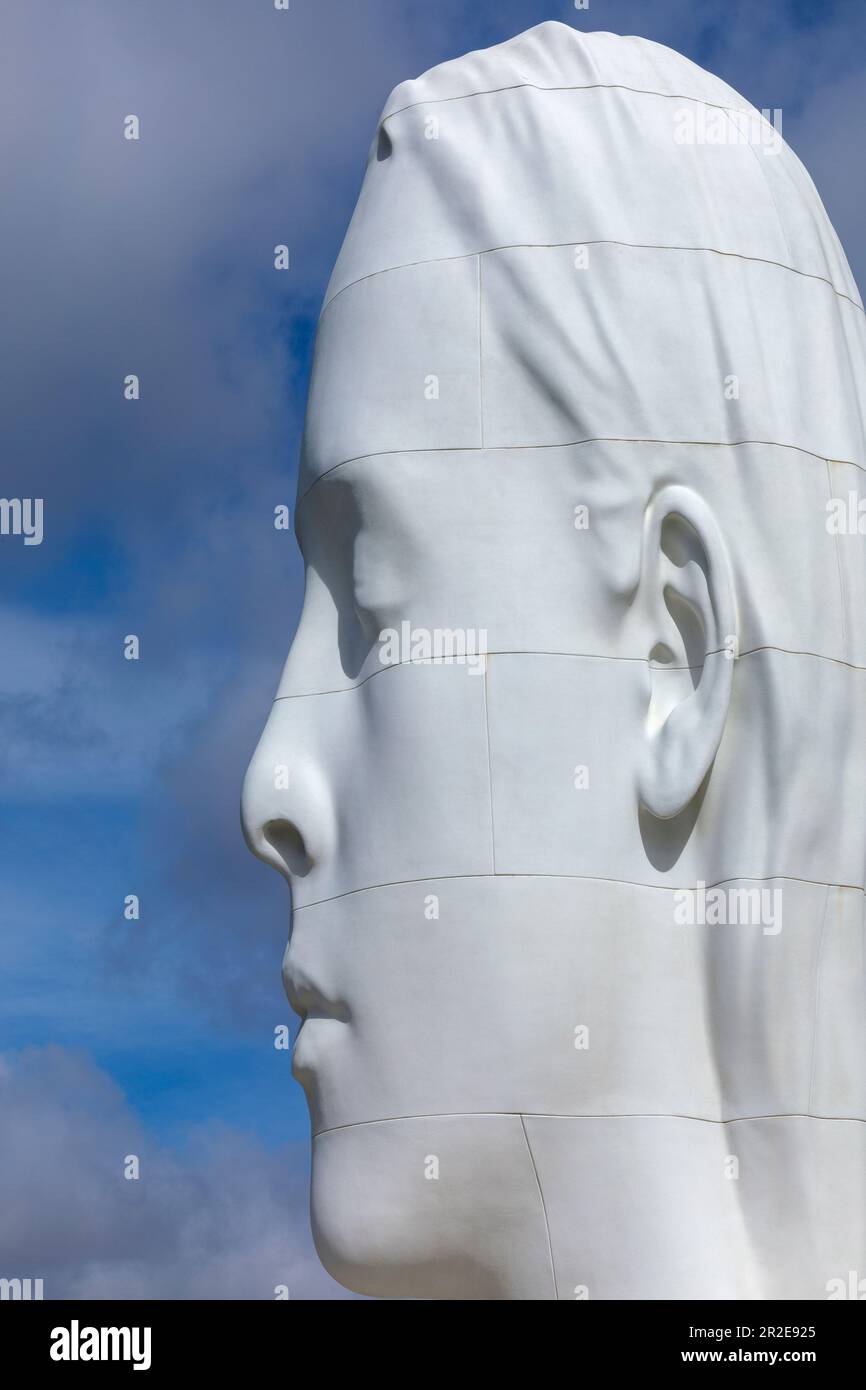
(305, 996)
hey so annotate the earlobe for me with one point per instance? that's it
(688, 610)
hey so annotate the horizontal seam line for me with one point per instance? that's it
(618, 1115)
(580, 878)
(570, 656)
(594, 241)
(575, 444)
(570, 87)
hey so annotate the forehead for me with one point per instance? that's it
(395, 368)
(530, 348)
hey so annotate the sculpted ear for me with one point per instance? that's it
(689, 620)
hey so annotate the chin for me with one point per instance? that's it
(373, 1231)
(383, 1227)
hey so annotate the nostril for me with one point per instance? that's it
(383, 146)
(288, 843)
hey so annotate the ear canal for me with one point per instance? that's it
(689, 603)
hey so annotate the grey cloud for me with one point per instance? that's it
(225, 1219)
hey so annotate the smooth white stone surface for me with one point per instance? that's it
(461, 906)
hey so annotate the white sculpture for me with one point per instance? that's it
(578, 930)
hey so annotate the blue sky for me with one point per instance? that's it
(156, 257)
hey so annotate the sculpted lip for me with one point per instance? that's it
(306, 998)
(317, 1011)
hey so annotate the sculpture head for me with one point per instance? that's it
(577, 638)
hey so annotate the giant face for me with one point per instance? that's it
(565, 766)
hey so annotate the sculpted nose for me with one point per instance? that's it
(285, 806)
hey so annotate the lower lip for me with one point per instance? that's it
(308, 1039)
(303, 1065)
